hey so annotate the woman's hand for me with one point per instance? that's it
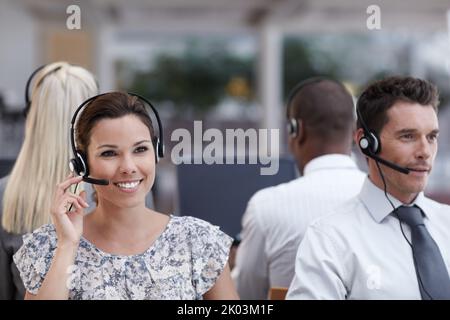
(68, 224)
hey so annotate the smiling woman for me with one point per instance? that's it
(122, 250)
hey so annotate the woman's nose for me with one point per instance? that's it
(127, 165)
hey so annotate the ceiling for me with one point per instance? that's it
(248, 15)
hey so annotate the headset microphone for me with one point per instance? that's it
(101, 182)
(388, 163)
(78, 166)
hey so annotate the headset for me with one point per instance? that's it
(293, 125)
(370, 146)
(79, 163)
(27, 86)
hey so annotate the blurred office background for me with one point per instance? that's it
(228, 63)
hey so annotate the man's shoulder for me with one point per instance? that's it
(342, 217)
(436, 204)
(277, 191)
(302, 187)
(442, 209)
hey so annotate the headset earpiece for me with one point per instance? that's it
(293, 127)
(369, 142)
(156, 149)
(161, 149)
(79, 165)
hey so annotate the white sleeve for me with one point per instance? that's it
(251, 269)
(318, 269)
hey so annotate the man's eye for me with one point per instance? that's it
(108, 153)
(407, 136)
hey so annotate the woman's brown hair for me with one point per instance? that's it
(111, 105)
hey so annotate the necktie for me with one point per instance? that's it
(434, 281)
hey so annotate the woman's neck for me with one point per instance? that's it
(114, 221)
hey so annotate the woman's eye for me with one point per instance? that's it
(108, 153)
(141, 149)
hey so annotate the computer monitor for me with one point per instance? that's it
(6, 166)
(219, 193)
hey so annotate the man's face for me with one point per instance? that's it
(409, 139)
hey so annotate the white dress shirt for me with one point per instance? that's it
(277, 217)
(359, 251)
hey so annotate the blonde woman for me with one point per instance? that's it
(55, 92)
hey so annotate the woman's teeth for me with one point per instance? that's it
(128, 185)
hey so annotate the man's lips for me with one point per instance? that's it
(420, 169)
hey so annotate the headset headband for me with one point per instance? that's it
(31, 77)
(361, 120)
(155, 112)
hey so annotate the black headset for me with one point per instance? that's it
(369, 142)
(370, 145)
(27, 86)
(79, 163)
(293, 125)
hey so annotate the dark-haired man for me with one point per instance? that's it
(389, 242)
(321, 117)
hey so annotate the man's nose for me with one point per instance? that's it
(424, 148)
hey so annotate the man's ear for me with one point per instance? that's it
(301, 136)
(295, 141)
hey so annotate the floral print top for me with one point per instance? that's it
(183, 263)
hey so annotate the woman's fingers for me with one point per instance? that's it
(83, 196)
(63, 186)
(79, 200)
(68, 200)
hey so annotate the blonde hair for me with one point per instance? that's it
(42, 163)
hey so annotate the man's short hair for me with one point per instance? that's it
(378, 97)
(325, 107)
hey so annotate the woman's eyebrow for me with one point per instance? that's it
(142, 141)
(107, 146)
(115, 147)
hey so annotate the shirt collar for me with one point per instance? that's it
(329, 161)
(379, 207)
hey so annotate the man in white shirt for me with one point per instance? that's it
(321, 117)
(365, 249)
